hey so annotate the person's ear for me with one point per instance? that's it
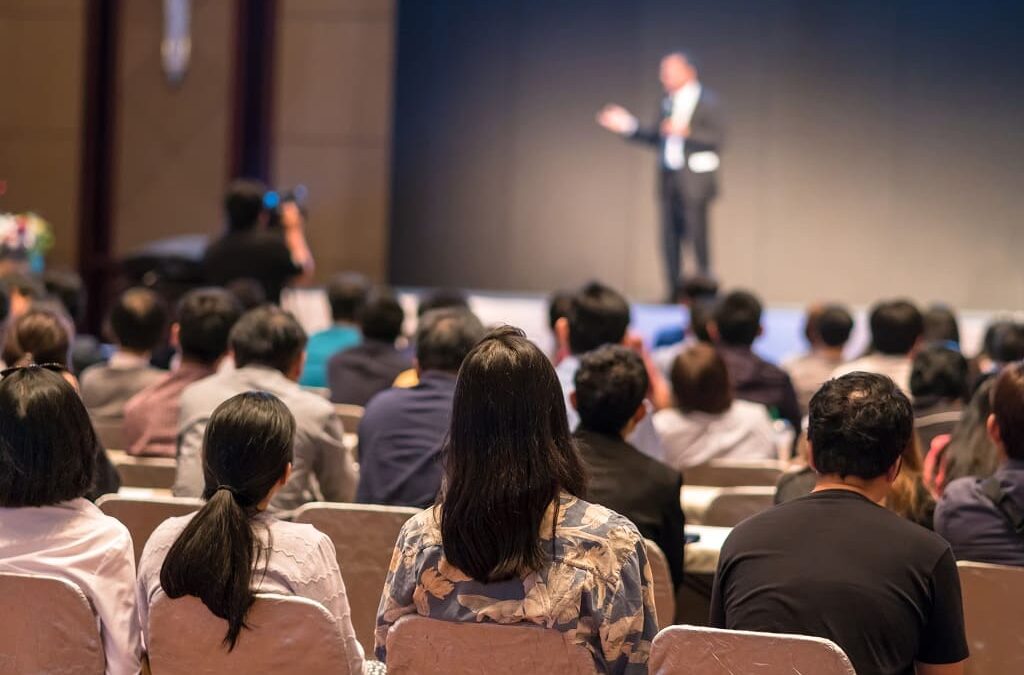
(295, 372)
(285, 477)
(713, 331)
(562, 333)
(992, 427)
(175, 337)
(573, 400)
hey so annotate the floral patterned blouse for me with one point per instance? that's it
(596, 585)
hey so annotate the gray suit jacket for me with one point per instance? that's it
(321, 468)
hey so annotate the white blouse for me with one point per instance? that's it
(744, 431)
(301, 562)
(74, 540)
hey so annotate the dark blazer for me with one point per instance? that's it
(358, 373)
(642, 489)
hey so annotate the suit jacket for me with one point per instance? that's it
(359, 373)
(706, 135)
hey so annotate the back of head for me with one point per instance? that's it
(47, 444)
(738, 319)
(696, 289)
(970, 451)
(267, 336)
(347, 293)
(1008, 408)
(67, 287)
(940, 325)
(558, 307)
(598, 315)
(700, 380)
(508, 455)
(243, 204)
(381, 317)
(896, 326)
(834, 325)
(611, 384)
(1004, 341)
(702, 313)
(444, 337)
(246, 452)
(205, 319)
(860, 424)
(138, 319)
(38, 336)
(249, 292)
(442, 298)
(939, 374)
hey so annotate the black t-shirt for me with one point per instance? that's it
(256, 254)
(835, 565)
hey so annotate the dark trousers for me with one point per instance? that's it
(682, 220)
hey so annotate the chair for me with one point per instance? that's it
(693, 650)
(421, 646)
(664, 591)
(142, 516)
(734, 504)
(111, 434)
(994, 617)
(48, 626)
(350, 416)
(285, 634)
(732, 473)
(364, 538)
(144, 472)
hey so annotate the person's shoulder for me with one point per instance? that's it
(164, 536)
(95, 372)
(421, 531)
(297, 540)
(959, 492)
(583, 524)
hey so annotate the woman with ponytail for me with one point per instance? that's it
(232, 548)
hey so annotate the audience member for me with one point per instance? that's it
(510, 528)
(232, 548)
(706, 422)
(939, 324)
(835, 564)
(47, 464)
(402, 430)
(1003, 343)
(827, 329)
(137, 323)
(268, 345)
(938, 385)
(909, 496)
(5, 310)
(67, 288)
(204, 319)
(444, 298)
(967, 450)
(983, 518)
(688, 293)
(22, 292)
(558, 308)
(248, 292)
(249, 250)
(896, 329)
(736, 324)
(611, 384)
(359, 373)
(346, 294)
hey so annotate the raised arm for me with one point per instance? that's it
(618, 120)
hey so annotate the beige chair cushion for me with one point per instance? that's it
(142, 516)
(733, 473)
(144, 472)
(733, 505)
(994, 615)
(664, 592)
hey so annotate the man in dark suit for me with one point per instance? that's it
(687, 135)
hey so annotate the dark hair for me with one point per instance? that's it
(381, 317)
(347, 293)
(246, 450)
(25, 285)
(5, 303)
(267, 336)
(450, 298)
(695, 288)
(1004, 341)
(834, 325)
(940, 325)
(939, 373)
(860, 424)
(700, 380)
(598, 316)
(444, 337)
(138, 319)
(38, 336)
(559, 304)
(249, 292)
(508, 456)
(611, 384)
(702, 313)
(47, 443)
(738, 317)
(205, 319)
(243, 204)
(896, 326)
(970, 451)
(1008, 408)
(67, 288)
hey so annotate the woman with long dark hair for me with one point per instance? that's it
(232, 548)
(511, 539)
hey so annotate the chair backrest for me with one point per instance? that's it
(420, 646)
(111, 434)
(52, 630)
(664, 591)
(351, 416)
(732, 473)
(693, 650)
(144, 472)
(994, 617)
(285, 634)
(734, 504)
(364, 537)
(142, 516)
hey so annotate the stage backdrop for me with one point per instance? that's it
(873, 147)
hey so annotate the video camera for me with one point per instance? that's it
(273, 200)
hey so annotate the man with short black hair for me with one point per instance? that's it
(984, 518)
(896, 329)
(357, 374)
(269, 345)
(735, 325)
(403, 429)
(611, 385)
(939, 390)
(827, 329)
(205, 317)
(836, 564)
(346, 294)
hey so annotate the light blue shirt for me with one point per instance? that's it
(321, 347)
